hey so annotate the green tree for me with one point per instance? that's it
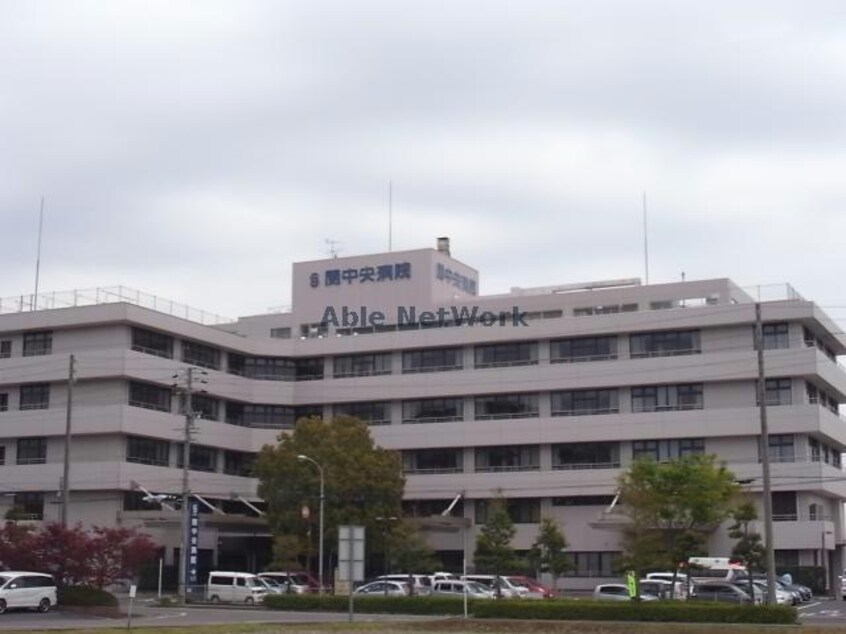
(494, 554)
(672, 507)
(547, 552)
(362, 481)
(749, 549)
(408, 551)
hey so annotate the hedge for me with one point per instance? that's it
(86, 596)
(669, 611)
(548, 609)
(368, 604)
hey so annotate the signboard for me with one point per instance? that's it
(192, 543)
(631, 584)
(363, 275)
(351, 553)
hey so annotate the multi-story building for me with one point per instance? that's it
(544, 395)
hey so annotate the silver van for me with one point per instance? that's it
(235, 587)
(27, 590)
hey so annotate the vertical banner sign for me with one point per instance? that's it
(631, 584)
(351, 553)
(193, 544)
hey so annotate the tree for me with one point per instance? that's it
(673, 506)
(494, 554)
(63, 552)
(287, 550)
(362, 481)
(117, 554)
(409, 552)
(547, 552)
(749, 549)
(17, 547)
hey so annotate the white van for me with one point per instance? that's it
(235, 587)
(27, 590)
(714, 569)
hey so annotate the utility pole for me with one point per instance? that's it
(765, 459)
(184, 555)
(66, 470)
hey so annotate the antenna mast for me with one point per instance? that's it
(34, 303)
(390, 215)
(645, 240)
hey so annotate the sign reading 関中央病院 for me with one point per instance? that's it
(361, 275)
(458, 280)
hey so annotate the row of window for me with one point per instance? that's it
(31, 450)
(569, 350)
(201, 458)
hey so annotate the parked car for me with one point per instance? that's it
(20, 589)
(783, 597)
(534, 589)
(384, 587)
(618, 592)
(457, 588)
(662, 589)
(420, 585)
(273, 586)
(293, 582)
(235, 587)
(720, 592)
(501, 586)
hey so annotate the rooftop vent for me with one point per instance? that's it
(443, 245)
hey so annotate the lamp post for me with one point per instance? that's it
(320, 530)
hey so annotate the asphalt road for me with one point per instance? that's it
(824, 611)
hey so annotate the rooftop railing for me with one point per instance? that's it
(107, 295)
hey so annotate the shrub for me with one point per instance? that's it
(669, 611)
(86, 596)
(367, 604)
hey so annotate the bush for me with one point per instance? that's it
(86, 596)
(368, 604)
(669, 611)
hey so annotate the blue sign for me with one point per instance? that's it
(192, 543)
(363, 275)
(466, 284)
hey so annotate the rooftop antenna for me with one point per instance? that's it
(390, 215)
(34, 304)
(645, 240)
(331, 247)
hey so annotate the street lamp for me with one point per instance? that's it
(320, 530)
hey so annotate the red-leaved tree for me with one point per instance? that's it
(99, 557)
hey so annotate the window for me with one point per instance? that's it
(308, 411)
(147, 451)
(507, 354)
(424, 461)
(362, 365)
(778, 392)
(427, 508)
(784, 506)
(583, 349)
(583, 500)
(238, 463)
(32, 450)
(262, 368)
(205, 407)
(280, 333)
(35, 396)
(309, 369)
(661, 398)
(200, 458)
(5, 349)
(432, 360)
(667, 449)
(593, 564)
(372, 413)
(786, 558)
(776, 336)
(260, 416)
(664, 344)
(149, 396)
(586, 455)
(525, 458)
(584, 402)
(29, 505)
(151, 342)
(2, 455)
(37, 343)
(520, 510)
(433, 410)
(506, 406)
(781, 447)
(201, 355)
(4, 401)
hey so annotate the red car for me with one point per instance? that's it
(535, 589)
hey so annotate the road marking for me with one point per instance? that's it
(810, 605)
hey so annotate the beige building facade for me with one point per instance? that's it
(542, 394)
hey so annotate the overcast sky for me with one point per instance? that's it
(194, 150)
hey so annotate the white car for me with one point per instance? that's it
(457, 588)
(501, 585)
(20, 589)
(617, 592)
(383, 587)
